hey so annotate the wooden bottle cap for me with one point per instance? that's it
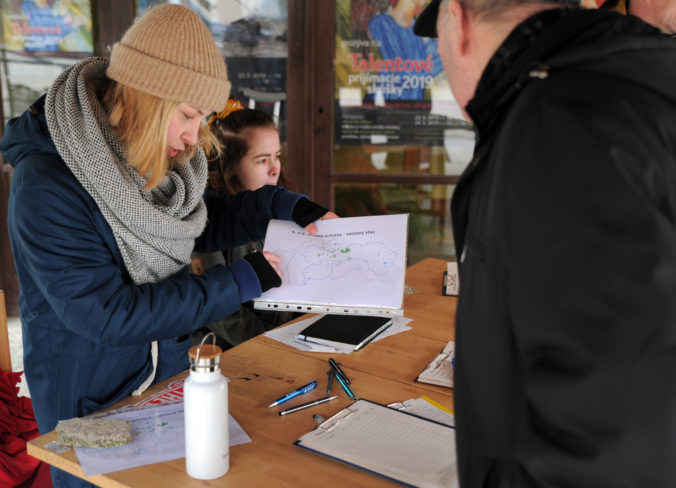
(208, 351)
(205, 358)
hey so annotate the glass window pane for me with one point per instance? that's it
(390, 88)
(395, 115)
(252, 37)
(429, 226)
(392, 160)
(38, 40)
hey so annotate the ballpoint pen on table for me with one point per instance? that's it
(328, 386)
(307, 405)
(300, 391)
(338, 371)
(344, 385)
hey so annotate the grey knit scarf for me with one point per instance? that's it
(155, 230)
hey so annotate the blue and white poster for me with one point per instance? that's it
(47, 26)
(387, 77)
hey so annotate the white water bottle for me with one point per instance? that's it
(205, 393)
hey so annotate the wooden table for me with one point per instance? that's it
(262, 370)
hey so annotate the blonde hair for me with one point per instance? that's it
(141, 122)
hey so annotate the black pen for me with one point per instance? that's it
(339, 372)
(328, 386)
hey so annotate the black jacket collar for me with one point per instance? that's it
(528, 51)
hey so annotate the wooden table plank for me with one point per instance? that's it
(401, 357)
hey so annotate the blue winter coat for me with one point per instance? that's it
(86, 326)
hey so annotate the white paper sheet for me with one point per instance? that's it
(287, 334)
(157, 435)
(355, 262)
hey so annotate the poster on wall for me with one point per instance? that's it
(47, 26)
(252, 37)
(389, 83)
(254, 44)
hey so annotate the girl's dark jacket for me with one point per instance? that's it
(565, 228)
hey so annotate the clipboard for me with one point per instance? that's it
(451, 284)
(441, 371)
(396, 445)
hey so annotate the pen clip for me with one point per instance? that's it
(300, 391)
(308, 387)
(333, 421)
(330, 381)
(338, 372)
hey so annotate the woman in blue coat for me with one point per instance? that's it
(106, 208)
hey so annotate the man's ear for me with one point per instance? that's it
(459, 26)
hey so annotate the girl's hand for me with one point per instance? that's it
(312, 228)
(274, 261)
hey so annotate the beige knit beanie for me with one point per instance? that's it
(169, 53)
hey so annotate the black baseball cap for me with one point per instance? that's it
(426, 23)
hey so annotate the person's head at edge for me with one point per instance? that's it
(470, 31)
(251, 150)
(166, 80)
(659, 13)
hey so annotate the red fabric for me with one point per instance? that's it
(17, 426)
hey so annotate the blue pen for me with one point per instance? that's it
(300, 391)
(341, 380)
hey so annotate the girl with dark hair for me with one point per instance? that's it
(250, 159)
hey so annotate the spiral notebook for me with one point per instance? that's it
(345, 331)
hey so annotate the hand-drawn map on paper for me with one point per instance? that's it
(352, 264)
(157, 435)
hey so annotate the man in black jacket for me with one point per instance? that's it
(565, 224)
